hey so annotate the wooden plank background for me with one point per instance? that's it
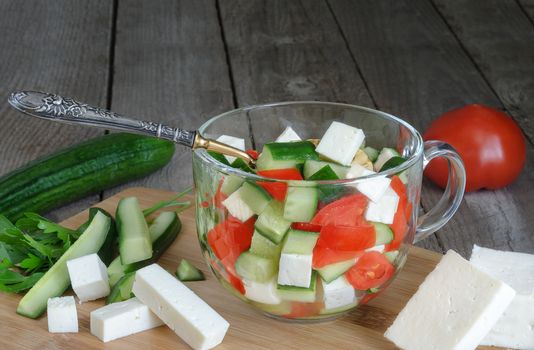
(182, 62)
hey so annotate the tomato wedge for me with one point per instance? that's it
(306, 226)
(322, 256)
(347, 211)
(278, 189)
(400, 220)
(253, 153)
(347, 238)
(371, 270)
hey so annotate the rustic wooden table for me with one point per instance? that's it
(184, 61)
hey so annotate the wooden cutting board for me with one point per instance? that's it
(363, 328)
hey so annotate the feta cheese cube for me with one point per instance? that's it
(454, 308)
(338, 293)
(357, 170)
(384, 209)
(295, 270)
(340, 143)
(179, 307)
(265, 293)
(118, 320)
(62, 315)
(514, 269)
(515, 328)
(372, 188)
(237, 207)
(88, 277)
(235, 142)
(288, 135)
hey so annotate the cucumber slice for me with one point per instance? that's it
(330, 272)
(325, 173)
(255, 197)
(392, 162)
(283, 155)
(255, 268)
(164, 230)
(372, 153)
(301, 203)
(313, 166)
(122, 290)
(56, 280)
(134, 237)
(219, 157)
(384, 155)
(392, 255)
(107, 250)
(305, 295)
(300, 242)
(271, 222)
(239, 163)
(188, 272)
(384, 234)
(230, 184)
(264, 247)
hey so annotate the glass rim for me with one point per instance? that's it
(228, 170)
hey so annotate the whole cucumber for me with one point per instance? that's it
(75, 172)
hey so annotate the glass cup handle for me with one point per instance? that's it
(454, 192)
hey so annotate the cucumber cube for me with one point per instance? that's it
(384, 234)
(313, 166)
(264, 247)
(384, 155)
(384, 210)
(237, 207)
(271, 222)
(255, 268)
(265, 293)
(301, 203)
(235, 142)
(338, 293)
(330, 272)
(340, 143)
(255, 197)
(288, 135)
(283, 155)
(293, 293)
(295, 268)
(231, 183)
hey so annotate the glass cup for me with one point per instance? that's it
(341, 276)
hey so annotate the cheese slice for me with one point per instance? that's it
(515, 328)
(179, 307)
(288, 135)
(453, 309)
(118, 320)
(340, 143)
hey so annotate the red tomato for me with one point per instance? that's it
(371, 270)
(219, 197)
(278, 189)
(299, 309)
(490, 143)
(323, 255)
(253, 153)
(347, 211)
(347, 238)
(400, 220)
(306, 226)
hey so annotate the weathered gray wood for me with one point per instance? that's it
(57, 46)
(291, 51)
(415, 68)
(495, 34)
(170, 66)
(528, 7)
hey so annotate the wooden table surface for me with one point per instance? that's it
(182, 62)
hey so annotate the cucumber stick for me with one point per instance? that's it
(75, 172)
(163, 232)
(56, 280)
(122, 290)
(283, 155)
(134, 238)
(107, 250)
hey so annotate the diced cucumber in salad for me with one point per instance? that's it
(300, 248)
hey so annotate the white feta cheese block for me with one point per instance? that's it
(119, 320)
(62, 315)
(237, 207)
(235, 142)
(338, 293)
(384, 209)
(372, 188)
(88, 277)
(265, 293)
(453, 309)
(514, 269)
(295, 270)
(180, 308)
(515, 328)
(340, 143)
(288, 135)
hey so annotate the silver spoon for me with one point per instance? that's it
(66, 110)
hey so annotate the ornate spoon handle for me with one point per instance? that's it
(66, 110)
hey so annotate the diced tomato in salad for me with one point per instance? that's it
(301, 310)
(347, 211)
(278, 189)
(306, 226)
(371, 270)
(400, 220)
